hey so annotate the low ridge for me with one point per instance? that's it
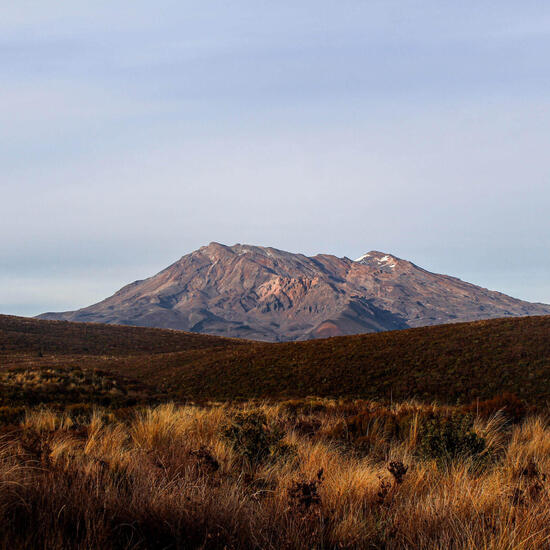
(462, 361)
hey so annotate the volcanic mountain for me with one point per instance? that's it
(267, 294)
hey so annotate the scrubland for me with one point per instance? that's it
(312, 473)
(448, 363)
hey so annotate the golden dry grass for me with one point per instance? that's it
(168, 477)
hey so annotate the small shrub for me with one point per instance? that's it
(449, 437)
(304, 494)
(306, 510)
(254, 438)
(398, 470)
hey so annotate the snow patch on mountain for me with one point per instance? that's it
(363, 257)
(383, 261)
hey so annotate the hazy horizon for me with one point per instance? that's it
(133, 134)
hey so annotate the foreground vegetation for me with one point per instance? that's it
(126, 438)
(294, 474)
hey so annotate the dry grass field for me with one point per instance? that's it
(300, 474)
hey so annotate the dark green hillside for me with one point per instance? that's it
(446, 363)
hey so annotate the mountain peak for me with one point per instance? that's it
(264, 293)
(378, 259)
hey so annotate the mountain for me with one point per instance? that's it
(267, 294)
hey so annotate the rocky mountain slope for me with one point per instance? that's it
(268, 294)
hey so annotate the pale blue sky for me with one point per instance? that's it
(133, 132)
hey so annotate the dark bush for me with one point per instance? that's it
(303, 494)
(449, 437)
(398, 470)
(252, 437)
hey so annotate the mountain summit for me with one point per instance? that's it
(267, 294)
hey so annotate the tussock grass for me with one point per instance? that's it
(170, 477)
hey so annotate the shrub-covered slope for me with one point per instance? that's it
(445, 363)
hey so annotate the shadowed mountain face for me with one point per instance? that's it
(267, 294)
